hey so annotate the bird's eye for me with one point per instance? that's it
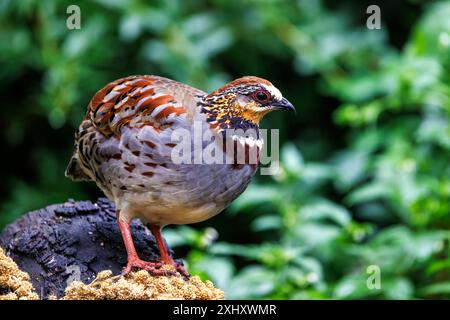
(261, 96)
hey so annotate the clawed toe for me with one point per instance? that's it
(154, 268)
(157, 268)
(182, 270)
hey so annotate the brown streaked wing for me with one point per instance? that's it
(136, 101)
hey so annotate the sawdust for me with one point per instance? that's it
(137, 285)
(141, 286)
(13, 282)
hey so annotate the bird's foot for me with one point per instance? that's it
(181, 270)
(153, 268)
(177, 267)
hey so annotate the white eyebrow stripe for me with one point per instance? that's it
(274, 92)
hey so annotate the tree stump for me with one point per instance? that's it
(71, 241)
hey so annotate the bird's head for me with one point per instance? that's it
(243, 102)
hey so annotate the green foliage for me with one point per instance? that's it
(364, 177)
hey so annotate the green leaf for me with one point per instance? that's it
(397, 289)
(442, 288)
(369, 192)
(350, 168)
(354, 286)
(266, 222)
(256, 195)
(325, 210)
(248, 284)
(292, 160)
(220, 270)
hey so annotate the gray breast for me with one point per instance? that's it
(146, 167)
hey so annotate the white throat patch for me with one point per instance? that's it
(250, 141)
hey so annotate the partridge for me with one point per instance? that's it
(125, 144)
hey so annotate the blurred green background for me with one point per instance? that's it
(365, 174)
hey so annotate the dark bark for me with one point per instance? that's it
(71, 241)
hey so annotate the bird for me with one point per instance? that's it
(125, 145)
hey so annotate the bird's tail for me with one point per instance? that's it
(74, 170)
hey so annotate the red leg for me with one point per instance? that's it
(163, 252)
(133, 259)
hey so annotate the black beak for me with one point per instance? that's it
(284, 104)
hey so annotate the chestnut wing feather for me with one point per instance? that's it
(137, 101)
(132, 102)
